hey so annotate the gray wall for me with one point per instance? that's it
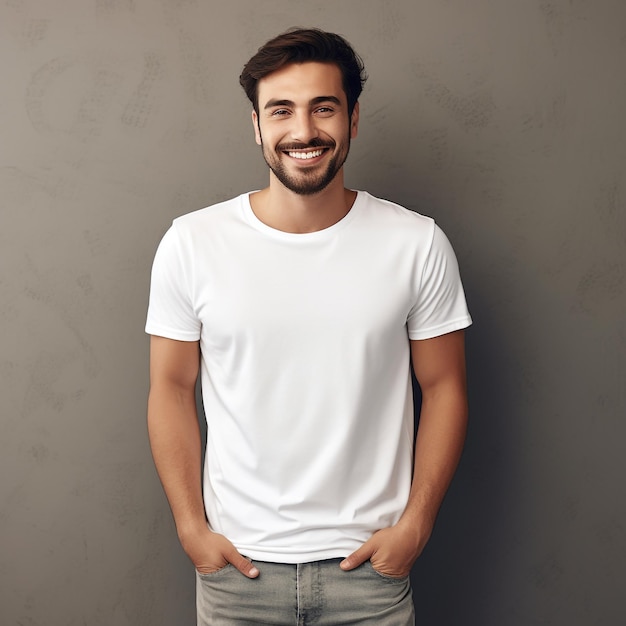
(503, 119)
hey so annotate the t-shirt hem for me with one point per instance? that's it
(295, 558)
(442, 329)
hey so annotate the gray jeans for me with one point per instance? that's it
(317, 593)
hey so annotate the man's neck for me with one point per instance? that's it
(282, 209)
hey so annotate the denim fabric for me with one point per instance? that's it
(317, 593)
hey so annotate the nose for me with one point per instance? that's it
(303, 128)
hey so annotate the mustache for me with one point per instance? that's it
(314, 143)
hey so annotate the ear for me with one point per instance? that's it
(257, 130)
(354, 122)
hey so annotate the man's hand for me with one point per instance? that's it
(211, 551)
(392, 551)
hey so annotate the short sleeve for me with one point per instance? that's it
(440, 305)
(171, 312)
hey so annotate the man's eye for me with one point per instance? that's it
(280, 112)
(324, 110)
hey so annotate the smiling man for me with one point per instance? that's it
(323, 125)
(302, 307)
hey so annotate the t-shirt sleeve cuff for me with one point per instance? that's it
(170, 333)
(442, 329)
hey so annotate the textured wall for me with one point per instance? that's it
(503, 119)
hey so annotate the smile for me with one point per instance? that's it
(306, 155)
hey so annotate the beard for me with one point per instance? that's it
(306, 182)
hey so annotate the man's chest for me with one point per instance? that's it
(286, 292)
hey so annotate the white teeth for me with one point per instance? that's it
(305, 155)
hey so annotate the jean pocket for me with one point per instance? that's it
(216, 573)
(387, 577)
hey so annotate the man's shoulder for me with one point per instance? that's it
(393, 215)
(211, 213)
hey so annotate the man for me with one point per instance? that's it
(302, 306)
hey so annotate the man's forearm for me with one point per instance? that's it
(438, 448)
(443, 422)
(176, 447)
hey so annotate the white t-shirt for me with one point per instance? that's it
(305, 365)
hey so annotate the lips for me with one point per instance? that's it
(306, 151)
(305, 155)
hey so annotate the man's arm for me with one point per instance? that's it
(439, 365)
(176, 447)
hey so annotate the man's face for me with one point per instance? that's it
(303, 125)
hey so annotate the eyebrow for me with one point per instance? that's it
(290, 103)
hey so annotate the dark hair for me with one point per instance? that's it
(301, 45)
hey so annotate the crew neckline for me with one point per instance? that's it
(316, 235)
